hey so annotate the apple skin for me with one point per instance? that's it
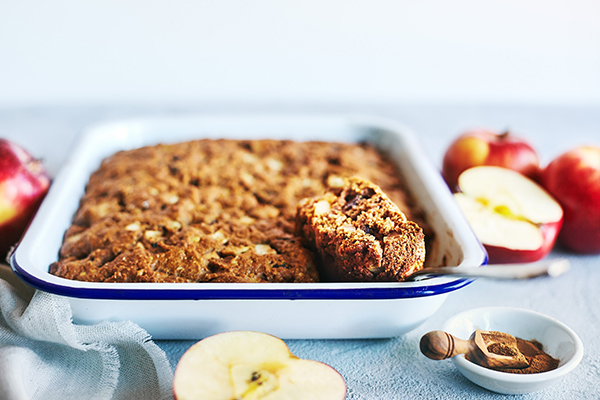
(485, 147)
(503, 255)
(23, 184)
(573, 178)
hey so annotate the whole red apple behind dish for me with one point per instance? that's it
(573, 178)
(24, 182)
(485, 147)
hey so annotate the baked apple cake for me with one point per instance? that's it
(218, 211)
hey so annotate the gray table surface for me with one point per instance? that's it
(394, 368)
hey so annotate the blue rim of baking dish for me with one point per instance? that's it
(114, 293)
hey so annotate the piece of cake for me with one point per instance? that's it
(360, 234)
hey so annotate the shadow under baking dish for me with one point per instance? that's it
(288, 310)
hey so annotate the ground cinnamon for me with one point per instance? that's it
(539, 361)
(502, 349)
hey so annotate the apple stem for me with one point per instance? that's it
(504, 134)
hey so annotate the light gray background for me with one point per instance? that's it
(115, 51)
(437, 66)
(394, 368)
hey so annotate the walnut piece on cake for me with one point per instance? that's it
(360, 234)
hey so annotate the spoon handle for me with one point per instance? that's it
(439, 345)
(501, 271)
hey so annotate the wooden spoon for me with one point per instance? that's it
(489, 349)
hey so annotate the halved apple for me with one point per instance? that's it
(252, 365)
(512, 216)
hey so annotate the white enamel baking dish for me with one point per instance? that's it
(287, 310)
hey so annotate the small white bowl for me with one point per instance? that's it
(559, 341)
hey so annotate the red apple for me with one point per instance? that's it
(484, 147)
(23, 184)
(514, 218)
(252, 365)
(573, 178)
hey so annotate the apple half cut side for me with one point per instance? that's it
(249, 365)
(514, 218)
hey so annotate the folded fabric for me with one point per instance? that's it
(43, 355)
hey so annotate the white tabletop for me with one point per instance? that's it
(394, 368)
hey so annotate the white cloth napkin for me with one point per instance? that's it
(43, 355)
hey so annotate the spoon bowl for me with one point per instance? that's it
(439, 345)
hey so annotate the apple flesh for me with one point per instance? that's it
(514, 218)
(252, 365)
(484, 147)
(23, 184)
(573, 178)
